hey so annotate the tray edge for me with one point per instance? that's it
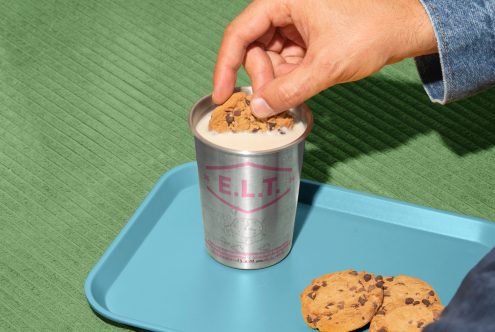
(91, 298)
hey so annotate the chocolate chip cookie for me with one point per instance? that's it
(405, 318)
(405, 290)
(235, 116)
(341, 301)
(410, 293)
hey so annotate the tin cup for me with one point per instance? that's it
(248, 198)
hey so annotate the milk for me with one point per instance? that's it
(246, 141)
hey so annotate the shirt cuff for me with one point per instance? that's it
(465, 63)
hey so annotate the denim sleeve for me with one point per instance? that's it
(465, 63)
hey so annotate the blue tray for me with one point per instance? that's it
(157, 275)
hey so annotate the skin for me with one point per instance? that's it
(293, 49)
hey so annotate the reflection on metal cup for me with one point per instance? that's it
(248, 198)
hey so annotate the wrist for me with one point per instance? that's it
(417, 36)
(426, 41)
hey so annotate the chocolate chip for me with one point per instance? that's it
(316, 320)
(255, 130)
(312, 295)
(354, 273)
(425, 302)
(329, 317)
(341, 290)
(362, 317)
(382, 329)
(432, 293)
(420, 324)
(390, 279)
(409, 300)
(367, 277)
(380, 312)
(324, 284)
(271, 126)
(229, 118)
(415, 302)
(362, 300)
(329, 305)
(309, 319)
(315, 287)
(247, 102)
(378, 277)
(355, 305)
(281, 131)
(379, 284)
(237, 113)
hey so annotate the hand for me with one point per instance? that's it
(293, 49)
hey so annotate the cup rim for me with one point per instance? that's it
(304, 108)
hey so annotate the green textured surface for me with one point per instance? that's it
(94, 97)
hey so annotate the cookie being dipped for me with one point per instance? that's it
(235, 115)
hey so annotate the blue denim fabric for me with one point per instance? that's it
(473, 306)
(465, 63)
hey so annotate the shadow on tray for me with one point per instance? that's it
(307, 193)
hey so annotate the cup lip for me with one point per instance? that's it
(305, 109)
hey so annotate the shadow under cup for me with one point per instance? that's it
(248, 198)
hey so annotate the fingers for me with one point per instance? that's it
(283, 65)
(224, 79)
(290, 90)
(291, 49)
(284, 69)
(254, 22)
(258, 66)
(276, 43)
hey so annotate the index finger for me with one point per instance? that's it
(253, 22)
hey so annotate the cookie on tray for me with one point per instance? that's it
(405, 318)
(341, 301)
(405, 296)
(235, 116)
(406, 290)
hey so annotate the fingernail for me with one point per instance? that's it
(261, 109)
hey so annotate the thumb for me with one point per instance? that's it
(289, 90)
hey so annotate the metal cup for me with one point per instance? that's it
(248, 198)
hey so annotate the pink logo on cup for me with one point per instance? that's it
(251, 191)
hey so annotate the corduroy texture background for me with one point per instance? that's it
(94, 98)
